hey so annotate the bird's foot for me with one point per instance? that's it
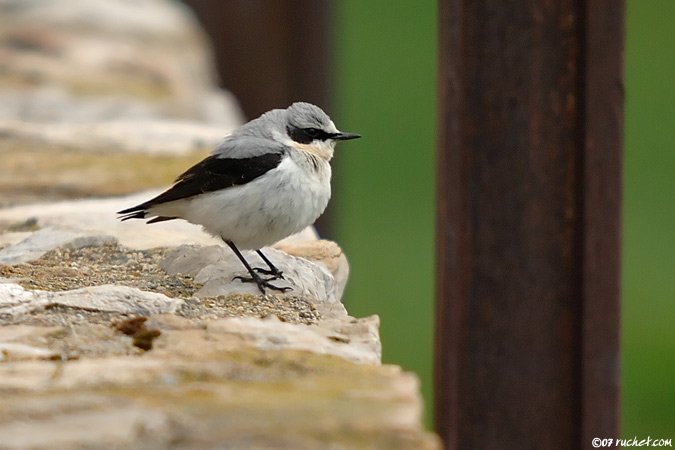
(262, 283)
(275, 273)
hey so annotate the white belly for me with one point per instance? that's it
(283, 201)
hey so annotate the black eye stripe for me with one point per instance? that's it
(307, 135)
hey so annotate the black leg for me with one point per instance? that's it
(255, 278)
(274, 272)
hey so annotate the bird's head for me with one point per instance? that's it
(308, 128)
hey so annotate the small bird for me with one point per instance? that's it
(268, 179)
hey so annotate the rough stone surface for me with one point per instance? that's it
(42, 241)
(12, 351)
(325, 253)
(70, 269)
(356, 339)
(15, 301)
(161, 137)
(98, 216)
(73, 281)
(61, 352)
(83, 427)
(44, 173)
(250, 399)
(91, 91)
(215, 267)
(93, 60)
(35, 314)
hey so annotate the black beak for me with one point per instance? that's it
(345, 136)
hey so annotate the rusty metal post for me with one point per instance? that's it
(528, 230)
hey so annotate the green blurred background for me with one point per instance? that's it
(384, 214)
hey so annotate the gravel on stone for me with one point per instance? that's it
(66, 269)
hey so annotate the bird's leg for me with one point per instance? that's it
(273, 271)
(254, 278)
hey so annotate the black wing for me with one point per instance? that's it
(209, 175)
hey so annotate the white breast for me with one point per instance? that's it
(281, 202)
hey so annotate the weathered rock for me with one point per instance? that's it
(41, 172)
(11, 352)
(84, 81)
(216, 268)
(161, 137)
(92, 60)
(98, 216)
(16, 301)
(326, 253)
(53, 308)
(291, 359)
(81, 323)
(118, 299)
(12, 237)
(44, 240)
(77, 426)
(246, 399)
(23, 342)
(355, 339)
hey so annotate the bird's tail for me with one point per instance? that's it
(132, 213)
(141, 212)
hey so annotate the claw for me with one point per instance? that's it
(275, 274)
(255, 278)
(262, 284)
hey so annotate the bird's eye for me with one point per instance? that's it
(312, 132)
(306, 135)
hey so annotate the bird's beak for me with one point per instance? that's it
(340, 136)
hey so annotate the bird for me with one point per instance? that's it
(265, 181)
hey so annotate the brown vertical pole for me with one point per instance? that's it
(529, 197)
(603, 155)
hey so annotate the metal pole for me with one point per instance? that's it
(528, 230)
